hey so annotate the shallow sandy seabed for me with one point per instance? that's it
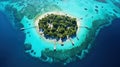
(93, 15)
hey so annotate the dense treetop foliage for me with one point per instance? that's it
(58, 26)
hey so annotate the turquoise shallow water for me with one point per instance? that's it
(92, 14)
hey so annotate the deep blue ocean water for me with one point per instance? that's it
(105, 53)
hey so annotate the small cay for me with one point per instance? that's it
(58, 27)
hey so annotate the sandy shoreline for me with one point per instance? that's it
(36, 21)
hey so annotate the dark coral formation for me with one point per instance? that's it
(28, 46)
(102, 1)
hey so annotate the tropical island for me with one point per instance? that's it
(93, 16)
(59, 27)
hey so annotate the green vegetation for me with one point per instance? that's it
(58, 26)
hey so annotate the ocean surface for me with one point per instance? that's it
(105, 52)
